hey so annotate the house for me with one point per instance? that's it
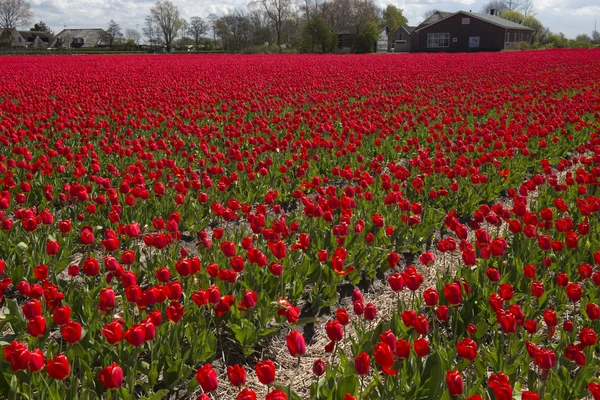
(382, 44)
(81, 38)
(399, 41)
(21, 39)
(467, 32)
(11, 38)
(37, 40)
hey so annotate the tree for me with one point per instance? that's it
(596, 36)
(14, 13)
(113, 32)
(317, 32)
(213, 18)
(234, 31)
(393, 18)
(497, 5)
(278, 11)
(133, 35)
(430, 13)
(540, 33)
(196, 29)
(513, 16)
(41, 27)
(152, 32)
(367, 38)
(527, 8)
(165, 17)
(584, 37)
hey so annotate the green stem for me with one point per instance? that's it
(133, 373)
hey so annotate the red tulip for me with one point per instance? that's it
(246, 394)
(17, 355)
(58, 367)
(362, 364)
(467, 349)
(276, 395)
(278, 249)
(265, 370)
(71, 332)
(36, 361)
(453, 293)
(111, 377)
(296, 344)
(319, 367)
(136, 335)
(36, 326)
(455, 383)
(207, 378)
(385, 358)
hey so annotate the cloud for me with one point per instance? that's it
(569, 16)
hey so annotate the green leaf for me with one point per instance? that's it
(347, 385)
(209, 348)
(433, 376)
(172, 375)
(159, 395)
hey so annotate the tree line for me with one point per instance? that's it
(275, 26)
(286, 25)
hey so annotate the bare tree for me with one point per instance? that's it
(14, 13)
(212, 19)
(496, 5)
(278, 11)
(349, 15)
(196, 29)
(133, 35)
(152, 31)
(430, 13)
(113, 32)
(165, 15)
(527, 8)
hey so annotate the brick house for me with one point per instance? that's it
(468, 32)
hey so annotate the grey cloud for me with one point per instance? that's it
(569, 16)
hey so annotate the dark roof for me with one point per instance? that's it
(492, 19)
(435, 17)
(409, 29)
(91, 37)
(44, 36)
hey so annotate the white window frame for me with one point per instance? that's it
(438, 40)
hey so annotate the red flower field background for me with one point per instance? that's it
(411, 227)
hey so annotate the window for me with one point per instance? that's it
(474, 42)
(454, 40)
(466, 21)
(399, 36)
(521, 36)
(435, 40)
(515, 37)
(78, 40)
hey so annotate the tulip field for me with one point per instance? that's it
(300, 226)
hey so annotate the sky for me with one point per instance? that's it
(571, 17)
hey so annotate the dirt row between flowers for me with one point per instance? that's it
(299, 376)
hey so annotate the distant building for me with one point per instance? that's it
(399, 41)
(81, 38)
(21, 39)
(467, 32)
(449, 32)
